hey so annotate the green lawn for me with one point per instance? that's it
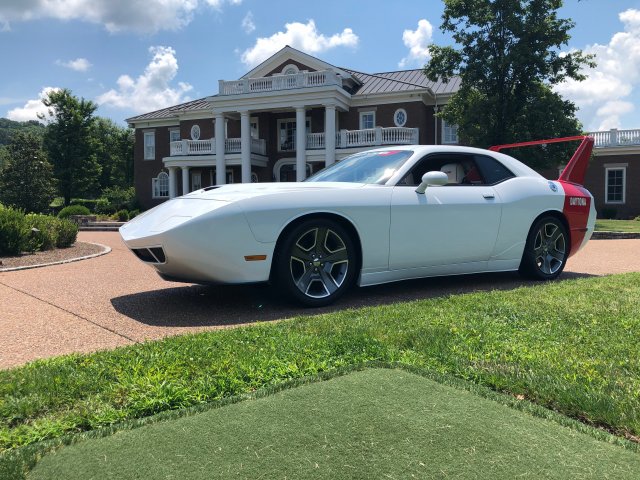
(571, 346)
(369, 424)
(618, 226)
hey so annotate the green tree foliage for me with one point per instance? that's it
(70, 144)
(9, 127)
(26, 181)
(508, 58)
(114, 151)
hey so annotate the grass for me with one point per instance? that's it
(376, 423)
(570, 346)
(632, 226)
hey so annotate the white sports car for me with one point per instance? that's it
(378, 216)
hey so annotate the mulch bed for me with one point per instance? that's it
(78, 249)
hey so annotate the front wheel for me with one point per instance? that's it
(546, 250)
(316, 262)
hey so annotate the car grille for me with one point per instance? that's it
(150, 255)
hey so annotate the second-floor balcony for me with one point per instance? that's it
(208, 147)
(369, 137)
(616, 138)
(279, 82)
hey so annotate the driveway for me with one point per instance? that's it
(116, 300)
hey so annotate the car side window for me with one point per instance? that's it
(492, 170)
(460, 168)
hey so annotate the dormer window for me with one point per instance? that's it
(290, 69)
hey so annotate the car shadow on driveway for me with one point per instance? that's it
(207, 306)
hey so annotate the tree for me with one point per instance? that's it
(70, 145)
(114, 151)
(27, 181)
(508, 60)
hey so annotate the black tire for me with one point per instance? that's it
(316, 263)
(547, 249)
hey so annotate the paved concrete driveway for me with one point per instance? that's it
(116, 300)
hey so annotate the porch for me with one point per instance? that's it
(616, 138)
(369, 137)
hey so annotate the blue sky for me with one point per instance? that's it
(134, 56)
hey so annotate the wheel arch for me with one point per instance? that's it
(561, 217)
(343, 221)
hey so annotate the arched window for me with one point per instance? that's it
(160, 185)
(290, 69)
(195, 132)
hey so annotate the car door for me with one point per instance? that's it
(447, 225)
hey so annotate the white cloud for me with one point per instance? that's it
(298, 35)
(32, 108)
(79, 64)
(147, 16)
(417, 41)
(152, 90)
(601, 98)
(247, 23)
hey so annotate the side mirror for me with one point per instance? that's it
(432, 178)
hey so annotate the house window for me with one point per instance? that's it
(290, 69)
(400, 117)
(195, 132)
(449, 132)
(229, 178)
(160, 185)
(287, 134)
(196, 181)
(254, 177)
(367, 120)
(149, 145)
(174, 135)
(285, 171)
(615, 185)
(255, 131)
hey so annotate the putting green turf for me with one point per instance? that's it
(376, 423)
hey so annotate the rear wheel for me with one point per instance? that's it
(316, 262)
(546, 250)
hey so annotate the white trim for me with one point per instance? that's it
(292, 66)
(396, 113)
(606, 185)
(157, 182)
(171, 132)
(280, 121)
(149, 148)
(287, 161)
(364, 113)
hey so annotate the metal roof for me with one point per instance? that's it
(372, 83)
(402, 81)
(173, 111)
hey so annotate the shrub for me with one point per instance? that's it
(46, 236)
(66, 212)
(90, 204)
(103, 206)
(122, 216)
(67, 233)
(134, 213)
(114, 199)
(14, 231)
(637, 219)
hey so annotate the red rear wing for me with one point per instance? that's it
(576, 168)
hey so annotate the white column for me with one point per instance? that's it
(221, 168)
(173, 181)
(185, 180)
(330, 134)
(245, 147)
(301, 144)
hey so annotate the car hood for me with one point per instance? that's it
(239, 191)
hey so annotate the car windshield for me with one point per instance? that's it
(365, 167)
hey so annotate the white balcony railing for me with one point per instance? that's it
(208, 147)
(315, 141)
(616, 138)
(279, 82)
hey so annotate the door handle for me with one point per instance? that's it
(489, 196)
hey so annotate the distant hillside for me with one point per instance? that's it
(8, 127)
